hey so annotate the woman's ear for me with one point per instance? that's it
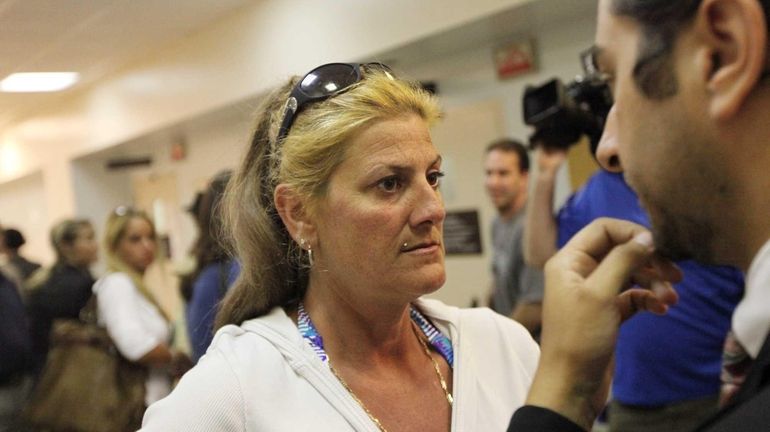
(294, 214)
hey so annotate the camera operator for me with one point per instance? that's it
(667, 368)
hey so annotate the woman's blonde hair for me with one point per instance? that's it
(114, 231)
(273, 270)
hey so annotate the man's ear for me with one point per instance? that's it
(294, 214)
(735, 33)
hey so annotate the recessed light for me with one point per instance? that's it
(38, 81)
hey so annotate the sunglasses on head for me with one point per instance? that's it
(321, 83)
(125, 210)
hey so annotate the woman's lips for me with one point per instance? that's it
(422, 248)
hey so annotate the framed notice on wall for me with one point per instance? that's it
(462, 233)
(514, 59)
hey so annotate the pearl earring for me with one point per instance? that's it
(306, 245)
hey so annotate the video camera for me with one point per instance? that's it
(561, 114)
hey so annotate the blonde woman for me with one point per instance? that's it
(337, 219)
(127, 308)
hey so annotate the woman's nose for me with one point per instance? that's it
(607, 151)
(429, 206)
(149, 244)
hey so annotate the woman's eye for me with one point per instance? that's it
(389, 184)
(434, 178)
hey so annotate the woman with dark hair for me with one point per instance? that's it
(214, 270)
(62, 290)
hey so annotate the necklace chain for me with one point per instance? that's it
(376, 421)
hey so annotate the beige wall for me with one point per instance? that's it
(22, 206)
(236, 59)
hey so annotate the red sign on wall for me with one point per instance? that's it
(515, 59)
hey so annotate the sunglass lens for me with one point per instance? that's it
(328, 79)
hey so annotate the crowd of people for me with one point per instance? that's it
(334, 229)
(36, 300)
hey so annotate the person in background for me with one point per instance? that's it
(127, 308)
(337, 219)
(214, 272)
(15, 356)
(690, 134)
(62, 290)
(667, 367)
(13, 240)
(517, 287)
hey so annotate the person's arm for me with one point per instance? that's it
(529, 305)
(541, 232)
(118, 302)
(529, 315)
(536, 419)
(582, 312)
(162, 355)
(210, 396)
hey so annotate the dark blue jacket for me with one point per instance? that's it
(15, 344)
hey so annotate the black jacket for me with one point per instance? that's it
(64, 293)
(749, 412)
(14, 333)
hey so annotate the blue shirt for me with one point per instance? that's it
(677, 356)
(208, 292)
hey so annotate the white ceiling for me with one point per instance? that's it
(92, 37)
(501, 27)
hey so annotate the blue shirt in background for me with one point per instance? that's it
(208, 290)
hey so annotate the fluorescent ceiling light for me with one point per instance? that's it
(38, 81)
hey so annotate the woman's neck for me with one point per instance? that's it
(356, 329)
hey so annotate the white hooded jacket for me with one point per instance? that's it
(263, 376)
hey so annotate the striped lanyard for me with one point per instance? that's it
(435, 338)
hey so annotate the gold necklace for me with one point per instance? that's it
(374, 419)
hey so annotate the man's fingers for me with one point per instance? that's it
(602, 235)
(638, 300)
(667, 270)
(652, 273)
(625, 259)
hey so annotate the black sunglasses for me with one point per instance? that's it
(320, 83)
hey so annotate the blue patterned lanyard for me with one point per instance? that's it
(436, 339)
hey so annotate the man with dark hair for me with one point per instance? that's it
(14, 240)
(517, 288)
(689, 130)
(667, 368)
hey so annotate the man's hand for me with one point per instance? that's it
(549, 159)
(588, 295)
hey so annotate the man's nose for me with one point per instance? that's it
(607, 151)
